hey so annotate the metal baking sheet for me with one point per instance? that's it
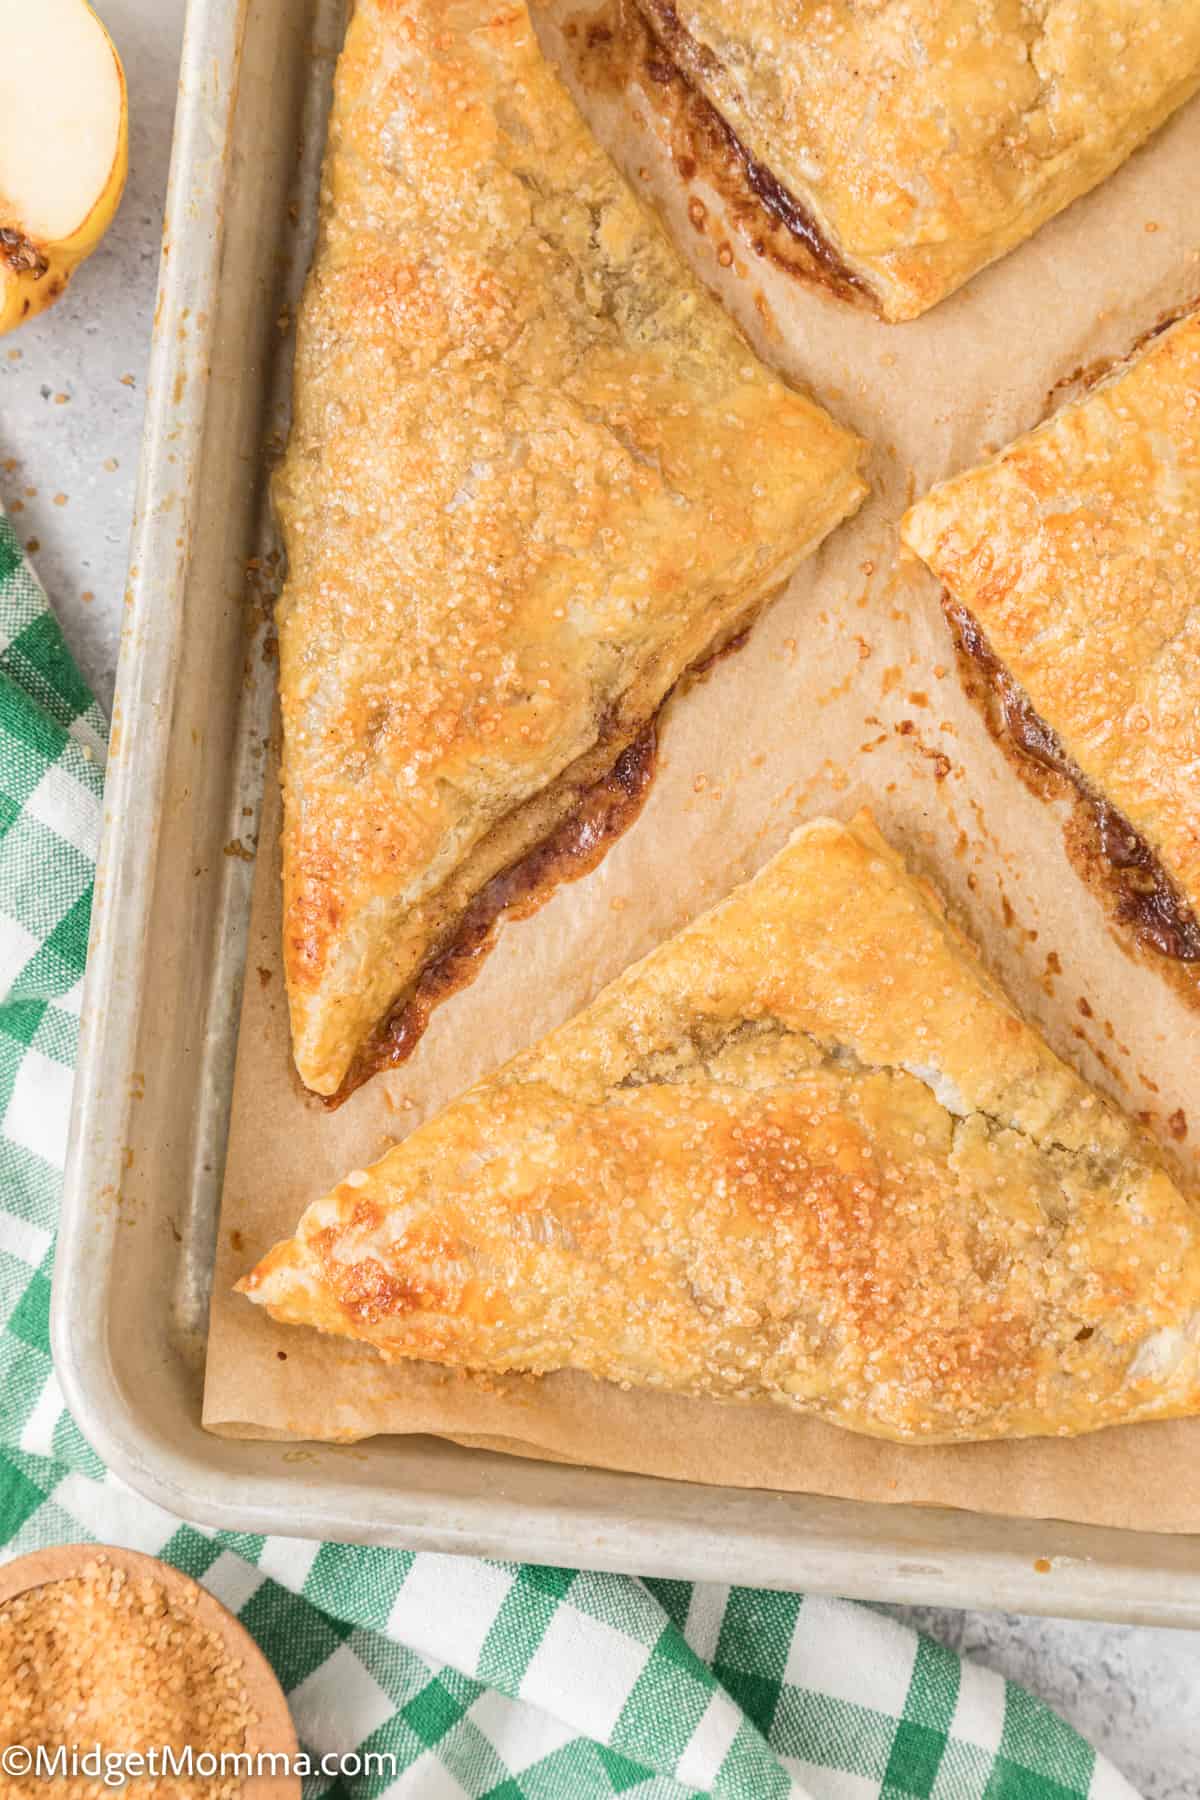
(142, 1188)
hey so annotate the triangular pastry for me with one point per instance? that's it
(535, 475)
(894, 148)
(806, 1152)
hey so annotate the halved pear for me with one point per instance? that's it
(63, 147)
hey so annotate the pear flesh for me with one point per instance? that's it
(63, 147)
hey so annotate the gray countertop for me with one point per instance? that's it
(71, 388)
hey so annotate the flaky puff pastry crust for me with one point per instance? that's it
(804, 1152)
(534, 475)
(926, 138)
(1077, 550)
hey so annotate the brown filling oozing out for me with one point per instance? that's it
(1146, 898)
(648, 36)
(605, 810)
(1089, 375)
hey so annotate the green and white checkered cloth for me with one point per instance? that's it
(515, 1682)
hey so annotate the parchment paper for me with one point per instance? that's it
(846, 694)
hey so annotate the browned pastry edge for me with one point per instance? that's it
(603, 812)
(1104, 846)
(646, 37)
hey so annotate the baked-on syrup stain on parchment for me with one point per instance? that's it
(619, 44)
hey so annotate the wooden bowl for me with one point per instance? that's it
(274, 1730)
